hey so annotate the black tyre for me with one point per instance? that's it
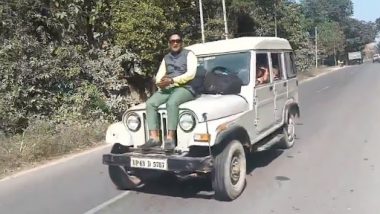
(228, 176)
(120, 176)
(289, 131)
(122, 179)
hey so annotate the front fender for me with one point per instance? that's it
(118, 133)
(234, 132)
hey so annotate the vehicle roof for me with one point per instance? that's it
(240, 44)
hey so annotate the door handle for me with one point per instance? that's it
(270, 88)
(285, 84)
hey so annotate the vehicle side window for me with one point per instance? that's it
(262, 69)
(290, 65)
(277, 66)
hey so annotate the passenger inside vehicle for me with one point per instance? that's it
(276, 73)
(276, 66)
(262, 69)
(262, 74)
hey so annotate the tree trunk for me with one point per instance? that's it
(335, 54)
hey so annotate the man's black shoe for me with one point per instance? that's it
(150, 144)
(169, 145)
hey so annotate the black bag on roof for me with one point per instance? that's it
(221, 81)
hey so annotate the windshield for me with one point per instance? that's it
(238, 63)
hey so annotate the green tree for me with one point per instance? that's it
(51, 64)
(331, 38)
(358, 34)
(377, 24)
(142, 27)
(319, 11)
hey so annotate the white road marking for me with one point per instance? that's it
(55, 162)
(107, 203)
(327, 87)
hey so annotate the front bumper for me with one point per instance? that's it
(174, 163)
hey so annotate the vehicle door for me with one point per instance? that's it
(291, 75)
(280, 84)
(263, 96)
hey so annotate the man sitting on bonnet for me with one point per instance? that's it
(176, 71)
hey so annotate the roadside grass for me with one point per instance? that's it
(315, 72)
(43, 141)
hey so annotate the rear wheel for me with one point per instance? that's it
(228, 176)
(289, 131)
(120, 176)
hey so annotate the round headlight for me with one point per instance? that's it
(187, 122)
(133, 122)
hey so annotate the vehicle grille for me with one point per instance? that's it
(162, 118)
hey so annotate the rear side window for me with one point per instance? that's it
(277, 66)
(290, 65)
(263, 74)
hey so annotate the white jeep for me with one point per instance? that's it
(215, 132)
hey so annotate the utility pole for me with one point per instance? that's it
(316, 47)
(275, 19)
(334, 52)
(225, 19)
(275, 24)
(202, 25)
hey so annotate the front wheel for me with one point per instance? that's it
(122, 179)
(120, 176)
(228, 176)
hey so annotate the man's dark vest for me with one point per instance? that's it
(176, 65)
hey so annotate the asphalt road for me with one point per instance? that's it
(333, 168)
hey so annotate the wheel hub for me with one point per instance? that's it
(235, 169)
(291, 129)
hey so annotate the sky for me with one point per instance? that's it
(367, 10)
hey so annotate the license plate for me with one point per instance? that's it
(148, 163)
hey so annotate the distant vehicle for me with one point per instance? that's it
(216, 130)
(355, 57)
(376, 58)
